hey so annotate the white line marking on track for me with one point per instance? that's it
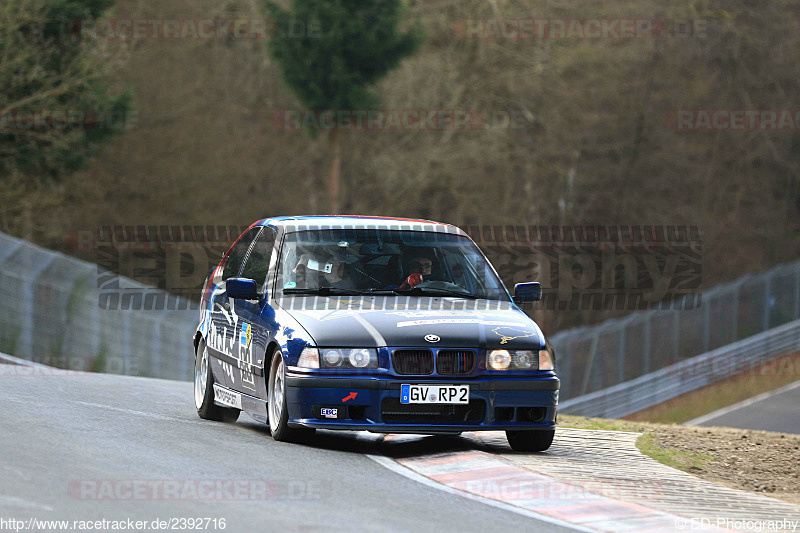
(25, 504)
(138, 413)
(18, 361)
(750, 401)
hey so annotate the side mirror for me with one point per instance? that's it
(528, 292)
(241, 288)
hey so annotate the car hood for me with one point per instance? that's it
(370, 322)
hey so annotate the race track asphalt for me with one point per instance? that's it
(773, 411)
(99, 446)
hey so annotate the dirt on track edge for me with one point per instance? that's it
(757, 461)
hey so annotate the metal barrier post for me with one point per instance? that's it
(767, 306)
(28, 303)
(647, 352)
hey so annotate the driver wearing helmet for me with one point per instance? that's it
(419, 267)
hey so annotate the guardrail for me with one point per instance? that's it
(52, 314)
(657, 387)
(594, 358)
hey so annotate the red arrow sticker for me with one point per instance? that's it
(350, 396)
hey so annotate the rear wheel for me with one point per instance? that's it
(530, 440)
(276, 407)
(204, 389)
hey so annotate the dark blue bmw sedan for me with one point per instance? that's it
(369, 323)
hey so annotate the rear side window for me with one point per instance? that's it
(257, 264)
(233, 263)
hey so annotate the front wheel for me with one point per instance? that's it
(204, 390)
(276, 406)
(537, 440)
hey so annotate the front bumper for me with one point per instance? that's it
(363, 403)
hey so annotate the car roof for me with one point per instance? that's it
(300, 223)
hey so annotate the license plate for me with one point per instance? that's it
(434, 394)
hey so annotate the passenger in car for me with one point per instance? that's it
(315, 271)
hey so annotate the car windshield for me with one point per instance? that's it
(355, 261)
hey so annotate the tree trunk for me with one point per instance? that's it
(333, 177)
(27, 219)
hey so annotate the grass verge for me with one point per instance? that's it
(680, 459)
(752, 382)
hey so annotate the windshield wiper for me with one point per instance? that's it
(335, 291)
(382, 292)
(437, 291)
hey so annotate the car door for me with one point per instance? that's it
(223, 340)
(256, 319)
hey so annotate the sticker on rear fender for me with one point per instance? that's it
(434, 394)
(227, 397)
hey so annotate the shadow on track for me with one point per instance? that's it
(397, 446)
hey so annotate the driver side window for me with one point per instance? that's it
(256, 266)
(234, 261)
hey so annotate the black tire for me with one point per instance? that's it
(204, 389)
(537, 440)
(276, 404)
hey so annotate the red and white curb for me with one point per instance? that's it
(589, 480)
(489, 477)
(552, 524)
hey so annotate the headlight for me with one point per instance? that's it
(360, 357)
(515, 360)
(524, 359)
(309, 358)
(499, 360)
(332, 358)
(349, 358)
